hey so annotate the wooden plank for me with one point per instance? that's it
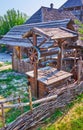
(58, 79)
(49, 75)
(80, 62)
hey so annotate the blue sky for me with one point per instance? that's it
(27, 6)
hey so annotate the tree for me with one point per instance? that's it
(80, 28)
(10, 19)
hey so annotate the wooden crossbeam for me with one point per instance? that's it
(33, 102)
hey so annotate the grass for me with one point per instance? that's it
(71, 118)
(1, 64)
(13, 84)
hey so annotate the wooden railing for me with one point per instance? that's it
(20, 105)
(3, 106)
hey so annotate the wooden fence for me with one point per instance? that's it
(4, 106)
(29, 119)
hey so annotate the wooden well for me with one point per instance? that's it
(48, 78)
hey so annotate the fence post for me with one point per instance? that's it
(3, 114)
(19, 101)
(30, 96)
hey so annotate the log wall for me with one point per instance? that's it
(21, 66)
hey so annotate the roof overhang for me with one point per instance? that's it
(52, 33)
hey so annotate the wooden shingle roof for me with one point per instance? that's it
(45, 14)
(52, 33)
(72, 3)
(14, 36)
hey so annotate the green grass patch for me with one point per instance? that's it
(69, 118)
(13, 84)
(1, 65)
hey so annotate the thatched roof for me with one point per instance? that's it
(14, 36)
(71, 4)
(45, 14)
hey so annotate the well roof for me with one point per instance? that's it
(14, 36)
(51, 33)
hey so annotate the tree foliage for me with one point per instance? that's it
(10, 19)
(80, 29)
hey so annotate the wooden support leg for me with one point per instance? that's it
(35, 80)
(59, 62)
(35, 68)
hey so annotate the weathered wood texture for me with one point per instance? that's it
(20, 104)
(29, 119)
(48, 78)
(52, 33)
(22, 66)
(49, 75)
(14, 36)
(80, 70)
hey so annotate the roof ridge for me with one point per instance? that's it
(59, 21)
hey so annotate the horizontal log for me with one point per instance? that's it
(49, 52)
(74, 47)
(2, 101)
(27, 104)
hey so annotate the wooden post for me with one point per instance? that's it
(19, 101)
(3, 114)
(79, 71)
(20, 56)
(13, 57)
(60, 57)
(30, 97)
(75, 54)
(35, 69)
(18, 52)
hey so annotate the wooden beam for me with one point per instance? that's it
(35, 69)
(42, 42)
(80, 62)
(30, 98)
(30, 41)
(49, 52)
(46, 99)
(18, 52)
(13, 57)
(74, 47)
(75, 55)
(60, 56)
(20, 56)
